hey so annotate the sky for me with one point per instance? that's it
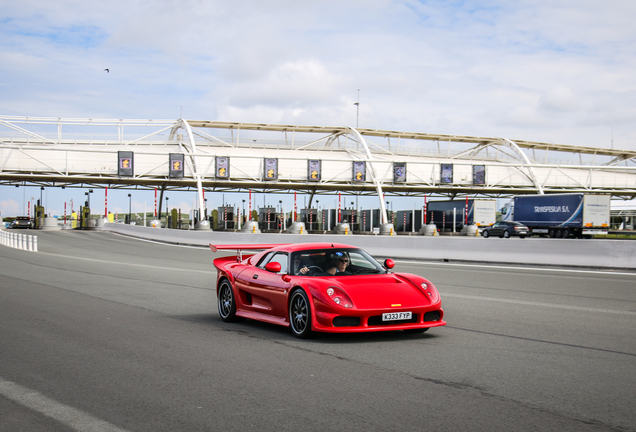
(551, 71)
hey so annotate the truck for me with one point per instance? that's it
(573, 215)
(481, 212)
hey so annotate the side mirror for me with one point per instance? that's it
(273, 267)
(389, 263)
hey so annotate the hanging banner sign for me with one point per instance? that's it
(314, 170)
(479, 174)
(176, 165)
(222, 167)
(271, 169)
(125, 164)
(359, 171)
(446, 171)
(399, 172)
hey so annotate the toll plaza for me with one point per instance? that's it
(213, 156)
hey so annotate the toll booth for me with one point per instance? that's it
(310, 217)
(370, 219)
(436, 217)
(408, 220)
(85, 213)
(268, 219)
(173, 219)
(351, 217)
(39, 215)
(328, 219)
(443, 219)
(225, 218)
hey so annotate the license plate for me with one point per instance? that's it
(395, 316)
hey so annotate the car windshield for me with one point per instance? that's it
(334, 262)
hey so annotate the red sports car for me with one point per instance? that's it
(323, 287)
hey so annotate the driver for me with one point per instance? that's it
(299, 267)
(339, 264)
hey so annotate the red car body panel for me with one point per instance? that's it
(265, 296)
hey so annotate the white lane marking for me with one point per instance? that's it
(72, 417)
(127, 263)
(605, 272)
(529, 303)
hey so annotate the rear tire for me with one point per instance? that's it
(226, 301)
(485, 234)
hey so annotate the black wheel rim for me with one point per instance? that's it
(225, 300)
(299, 313)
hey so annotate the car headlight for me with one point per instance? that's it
(339, 297)
(431, 291)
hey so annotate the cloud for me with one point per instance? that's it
(534, 70)
(9, 207)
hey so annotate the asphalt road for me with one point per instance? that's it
(100, 332)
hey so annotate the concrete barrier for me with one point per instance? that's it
(19, 241)
(595, 253)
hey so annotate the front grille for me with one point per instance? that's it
(345, 321)
(431, 316)
(377, 321)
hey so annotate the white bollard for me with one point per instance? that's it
(23, 242)
(12, 240)
(30, 243)
(35, 243)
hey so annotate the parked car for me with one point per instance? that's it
(506, 229)
(21, 222)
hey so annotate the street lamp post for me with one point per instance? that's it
(88, 198)
(129, 207)
(167, 212)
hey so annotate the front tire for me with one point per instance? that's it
(300, 314)
(485, 234)
(226, 302)
(506, 234)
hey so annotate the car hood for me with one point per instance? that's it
(379, 291)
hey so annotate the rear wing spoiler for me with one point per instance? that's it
(241, 247)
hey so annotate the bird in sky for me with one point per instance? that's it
(107, 70)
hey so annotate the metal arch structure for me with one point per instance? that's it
(83, 152)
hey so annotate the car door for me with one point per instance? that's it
(496, 229)
(266, 292)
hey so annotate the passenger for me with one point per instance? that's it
(339, 265)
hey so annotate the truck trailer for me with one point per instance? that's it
(481, 212)
(575, 215)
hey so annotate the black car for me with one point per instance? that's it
(21, 222)
(506, 229)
